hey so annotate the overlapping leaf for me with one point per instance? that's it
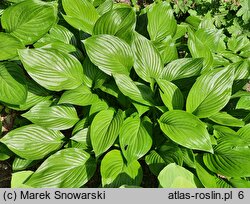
(29, 20)
(33, 141)
(67, 168)
(52, 69)
(56, 117)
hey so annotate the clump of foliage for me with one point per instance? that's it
(96, 93)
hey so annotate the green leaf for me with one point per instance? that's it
(83, 137)
(21, 164)
(32, 141)
(223, 118)
(29, 20)
(136, 91)
(9, 46)
(52, 69)
(81, 96)
(161, 21)
(18, 179)
(182, 68)
(55, 117)
(239, 183)
(104, 130)
(67, 168)
(135, 137)
(105, 7)
(116, 173)
(118, 22)
(185, 129)
(12, 84)
(208, 178)
(93, 77)
(109, 53)
(175, 176)
(167, 49)
(148, 64)
(170, 95)
(243, 103)
(210, 93)
(231, 155)
(198, 49)
(80, 14)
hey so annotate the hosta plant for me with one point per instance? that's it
(96, 93)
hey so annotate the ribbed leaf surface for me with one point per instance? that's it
(33, 141)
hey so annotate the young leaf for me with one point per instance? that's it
(161, 21)
(29, 20)
(185, 129)
(109, 53)
(119, 22)
(104, 130)
(170, 94)
(223, 118)
(12, 84)
(182, 68)
(148, 64)
(9, 46)
(135, 137)
(56, 117)
(136, 91)
(81, 96)
(67, 168)
(81, 14)
(210, 93)
(175, 176)
(32, 141)
(116, 173)
(52, 69)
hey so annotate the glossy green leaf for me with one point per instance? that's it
(105, 7)
(136, 91)
(93, 76)
(12, 84)
(175, 176)
(52, 69)
(198, 49)
(119, 22)
(29, 20)
(170, 95)
(18, 179)
(243, 103)
(21, 163)
(239, 183)
(208, 178)
(9, 46)
(161, 21)
(32, 141)
(182, 68)
(104, 130)
(97, 107)
(135, 137)
(67, 168)
(80, 14)
(224, 118)
(49, 115)
(116, 173)
(167, 49)
(109, 53)
(185, 129)
(210, 93)
(81, 96)
(148, 64)
(231, 156)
